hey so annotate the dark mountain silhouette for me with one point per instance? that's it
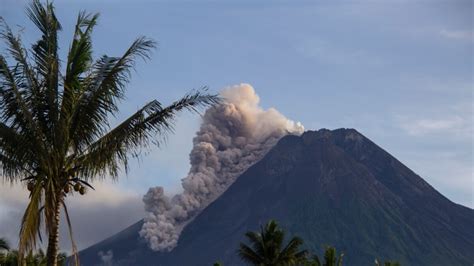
(328, 187)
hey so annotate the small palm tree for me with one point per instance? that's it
(330, 258)
(55, 133)
(267, 247)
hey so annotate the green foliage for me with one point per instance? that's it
(4, 244)
(313, 261)
(11, 258)
(54, 127)
(218, 263)
(267, 247)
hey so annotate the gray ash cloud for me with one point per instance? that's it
(233, 136)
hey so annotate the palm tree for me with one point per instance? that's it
(55, 132)
(267, 247)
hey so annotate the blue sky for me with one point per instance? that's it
(400, 72)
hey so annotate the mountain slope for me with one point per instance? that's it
(328, 187)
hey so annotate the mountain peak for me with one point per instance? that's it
(344, 134)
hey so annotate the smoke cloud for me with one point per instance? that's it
(106, 258)
(233, 136)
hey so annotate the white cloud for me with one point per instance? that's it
(442, 148)
(454, 122)
(456, 125)
(467, 35)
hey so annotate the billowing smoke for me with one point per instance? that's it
(233, 136)
(106, 258)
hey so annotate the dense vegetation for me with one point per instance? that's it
(266, 249)
(10, 257)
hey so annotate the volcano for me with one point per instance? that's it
(328, 187)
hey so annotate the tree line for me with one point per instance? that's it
(10, 257)
(266, 247)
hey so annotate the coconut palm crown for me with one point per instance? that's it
(55, 134)
(267, 247)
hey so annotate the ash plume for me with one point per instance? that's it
(233, 135)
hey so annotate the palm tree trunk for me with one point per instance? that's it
(53, 241)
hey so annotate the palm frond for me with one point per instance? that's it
(339, 259)
(78, 62)
(15, 109)
(45, 54)
(15, 104)
(73, 243)
(104, 88)
(291, 249)
(316, 260)
(17, 155)
(20, 88)
(148, 125)
(248, 255)
(257, 242)
(80, 53)
(17, 127)
(30, 224)
(331, 257)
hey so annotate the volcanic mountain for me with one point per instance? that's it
(330, 188)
